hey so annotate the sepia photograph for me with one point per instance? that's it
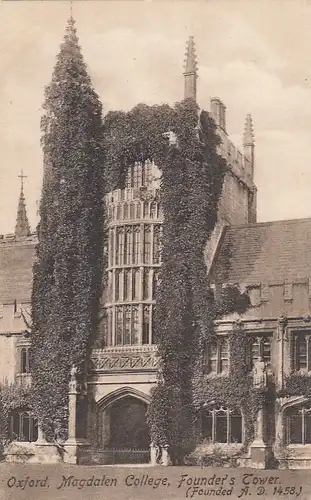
(155, 249)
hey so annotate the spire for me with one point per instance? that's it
(248, 138)
(22, 227)
(190, 72)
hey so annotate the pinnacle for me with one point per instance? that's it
(22, 227)
(248, 138)
(190, 61)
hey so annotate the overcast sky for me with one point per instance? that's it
(254, 55)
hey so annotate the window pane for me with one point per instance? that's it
(146, 322)
(224, 356)
(295, 428)
(207, 422)
(301, 352)
(127, 326)
(136, 244)
(119, 326)
(23, 360)
(25, 427)
(213, 357)
(135, 325)
(147, 244)
(221, 428)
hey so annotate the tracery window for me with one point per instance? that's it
(302, 351)
(217, 357)
(128, 245)
(127, 325)
(147, 244)
(136, 244)
(135, 283)
(298, 425)
(261, 348)
(222, 425)
(23, 426)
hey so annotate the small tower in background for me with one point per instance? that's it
(190, 73)
(249, 144)
(22, 227)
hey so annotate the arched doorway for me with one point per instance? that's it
(124, 429)
(128, 426)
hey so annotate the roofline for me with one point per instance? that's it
(268, 223)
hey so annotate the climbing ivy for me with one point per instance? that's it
(69, 256)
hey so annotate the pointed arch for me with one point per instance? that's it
(121, 393)
(295, 401)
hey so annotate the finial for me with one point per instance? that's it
(22, 227)
(190, 72)
(248, 138)
(190, 61)
(22, 177)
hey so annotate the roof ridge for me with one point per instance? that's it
(269, 223)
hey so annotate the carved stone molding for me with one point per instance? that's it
(124, 361)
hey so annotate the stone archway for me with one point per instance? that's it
(123, 429)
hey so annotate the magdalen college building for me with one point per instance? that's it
(270, 261)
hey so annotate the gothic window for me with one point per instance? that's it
(261, 349)
(138, 208)
(132, 210)
(119, 326)
(302, 351)
(25, 354)
(146, 324)
(157, 244)
(298, 425)
(119, 245)
(137, 175)
(135, 283)
(125, 211)
(118, 286)
(128, 245)
(135, 325)
(136, 244)
(147, 244)
(217, 357)
(119, 215)
(23, 426)
(127, 326)
(146, 288)
(146, 209)
(127, 285)
(153, 210)
(222, 425)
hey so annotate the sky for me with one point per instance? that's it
(254, 55)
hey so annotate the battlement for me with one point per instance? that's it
(240, 164)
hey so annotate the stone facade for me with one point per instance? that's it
(271, 261)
